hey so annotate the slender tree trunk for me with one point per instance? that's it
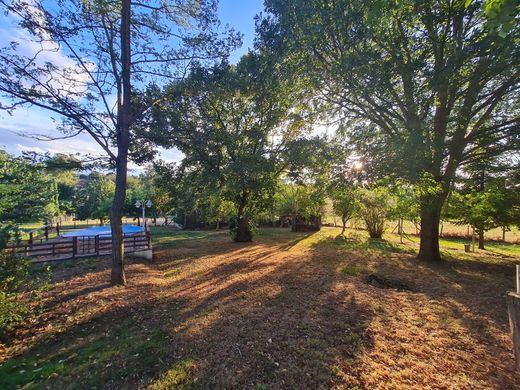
(503, 234)
(480, 239)
(293, 223)
(430, 218)
(101, 222)
(123, 142)
(401, 230)
(344, 221)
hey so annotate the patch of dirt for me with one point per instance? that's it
(383, 282)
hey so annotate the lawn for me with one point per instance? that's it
(290, 310)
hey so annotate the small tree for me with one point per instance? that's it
(375, 209)
(345, 203)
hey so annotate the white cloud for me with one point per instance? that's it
(25, 148)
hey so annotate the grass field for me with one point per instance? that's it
(290, 310)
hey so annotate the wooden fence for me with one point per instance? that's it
(62, 248)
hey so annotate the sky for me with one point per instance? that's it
(238, 14)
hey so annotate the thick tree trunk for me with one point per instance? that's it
(123, 143)
(430, 218)
(481, 239)
(243, 232)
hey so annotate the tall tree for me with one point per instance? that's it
(91, 58)
(416, 82)
(234, 125)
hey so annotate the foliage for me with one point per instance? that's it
(14, 272)
(93, 198)
(300, 202)
(375, 208)
(27, 193)
(345, 202)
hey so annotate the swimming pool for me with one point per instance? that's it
(102, 231)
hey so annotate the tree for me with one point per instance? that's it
(92, 53)
(345, 203)
(375, 209)
(94, 196)
(234, 125)
(27, 194)
(416, 83)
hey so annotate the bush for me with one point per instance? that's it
(14, 272)
(375, 209)
(14, 276)
(12, 312)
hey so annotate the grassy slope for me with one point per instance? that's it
(291, 310)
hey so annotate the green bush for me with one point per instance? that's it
(14, 276)
(12, 312)
(14, 272)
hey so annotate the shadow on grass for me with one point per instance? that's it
(242, 319)
(358, 242)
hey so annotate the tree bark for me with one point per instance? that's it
(344, 221)
(123, 142)
(480, 239)
(243, 232)
(430, 218)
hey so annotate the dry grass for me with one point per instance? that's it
(291, 310)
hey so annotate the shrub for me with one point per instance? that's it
(14, 272)
(14, 275)
(12, 312)
(375, 209)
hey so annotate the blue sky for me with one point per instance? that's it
(238, 14)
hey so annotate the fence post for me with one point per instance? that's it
(148, 240)
(74, 246)
(30, 238)
(96, 244)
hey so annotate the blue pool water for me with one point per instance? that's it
(102, 231)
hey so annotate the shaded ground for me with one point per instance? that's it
(292, 310)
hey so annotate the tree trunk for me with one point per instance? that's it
(503, 234)
(344, 221)
(243, 233)
(480, 239)
(101, 222)
(123, 143)
(293, 223)
(430, 218)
